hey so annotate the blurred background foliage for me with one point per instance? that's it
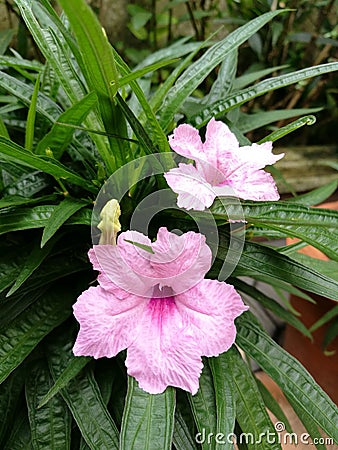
(305, 37)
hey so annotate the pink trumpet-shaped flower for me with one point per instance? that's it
(159, 307)
(221, 168)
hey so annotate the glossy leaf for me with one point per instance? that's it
(261, 260)
(9, 398)
(148, 420)
(288, 373)
(83, 398)
(22, 335)
(61, 213)
(33, 261)
(20, 436)
(50, 425)
(271, 304)
(272, 404)
(73, 368)
(30, 124)
(13, 152)
(318, 227)
(59, 136)
(250, 409)
(238, 98)
(316, 196)
(127, 79)
(199, 70)
(249, 122)
(284, 131)
(203, 405)
(225, 400)
(99, 70)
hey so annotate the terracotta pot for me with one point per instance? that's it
(322, 366)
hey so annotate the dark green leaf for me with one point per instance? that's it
(14, 153)
(148, 420)
(75, 366)
(288, 373)
(316, 196)
(22, 335)
(30, 124)
(50, 425)
(62, 212)
(203, 405)
(250, 409)
(60, 137)
(225, 400)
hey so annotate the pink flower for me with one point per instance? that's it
(221, 168)
(159, 307)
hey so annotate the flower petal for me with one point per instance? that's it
(220, 142)
(186, 141)
(251, 184)
(258, 155)
(211, 308)
(107, 324)
(194, 192)
(167, 354)
(180, 261)
(124, 264)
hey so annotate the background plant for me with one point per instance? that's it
(67, 123)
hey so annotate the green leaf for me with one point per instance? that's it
(99, 69)
(225, 400)
(272, 404)
(23, 91)
(14, 153)
(249, 122)
(261, 260)
(250, 409)
(316, 196)
(153, 127)
(293, 126)
(317, 227)
(238, 98)
(3, 129)
(184, 429)
(17, 200)
(59, 136)
(34, 260)
(22, 335)
(51, 425)
(76, 364)
(9, 398)
(288, 373)
(309, 424)
(199, 70)
(331, 314)
(250, 77)
(270, 304)
(83, 397)
(203, 405)
(5, 38)
(20, 435)
(127, 79)
(30, 124)
(148, 420)
(62, 212)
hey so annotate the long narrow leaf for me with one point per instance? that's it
(60, 215)
(14, 153)
(148, 420)
(30, 127)
(288, 373)
(51, 425)
(22, 335)
(198, 71)
(271, 84)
